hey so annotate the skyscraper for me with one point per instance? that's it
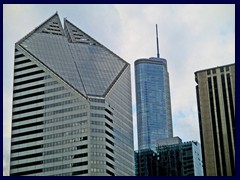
(72, 110)
(216, 109)
(154, 118)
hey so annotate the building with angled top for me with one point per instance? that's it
(216, 111)
(72, 109)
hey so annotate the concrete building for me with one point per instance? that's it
(216, 108)
(174, 159)
(72, 109)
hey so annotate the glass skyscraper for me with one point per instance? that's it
(72, 107)
(154, 118)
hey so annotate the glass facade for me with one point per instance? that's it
(182, 159)
(72, 106)
(153, 102)
(87, 67)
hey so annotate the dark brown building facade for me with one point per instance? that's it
(216, 109)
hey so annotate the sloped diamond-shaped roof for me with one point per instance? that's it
(77, 58)
(74, 34)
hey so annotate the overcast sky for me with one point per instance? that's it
(192, 38)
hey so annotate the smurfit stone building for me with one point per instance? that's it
(72, 109)
(216, 109)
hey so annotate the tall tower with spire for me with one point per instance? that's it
(72, 108)
(158, 54)
(154, 117)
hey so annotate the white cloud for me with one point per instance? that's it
(192, 37)
(185, 124)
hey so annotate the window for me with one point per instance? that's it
(110, 173)
(26, 148)
(27, 172)
(109, 112)
(208, 72)
(28, 95)
(28, 81)
(26, 156)
(27, 118)
(26, 164)
(27, 125)
(27, 133)
(80, 172)
(25, 68)
(22, 62)
(27, 141)
(221, 69)
(110, 165)
(227, 68)
(28, 88)
(28, 110)
(19, 55)
(28, 74)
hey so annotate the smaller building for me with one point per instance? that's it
(172, 159)
(145, 163)
(168, 141)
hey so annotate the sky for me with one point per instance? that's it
(192, 37)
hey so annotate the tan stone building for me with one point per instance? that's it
(216, 109)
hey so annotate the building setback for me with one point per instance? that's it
(72, 109)
(154, 116)
(181, 159)
(216, 109)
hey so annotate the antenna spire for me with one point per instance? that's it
(158, 55)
